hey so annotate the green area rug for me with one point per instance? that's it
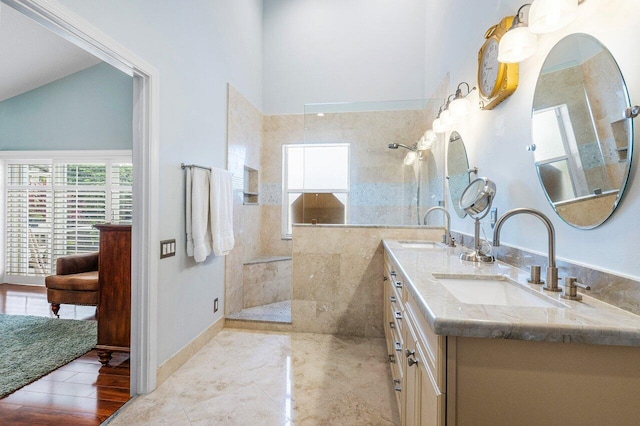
(31, 347)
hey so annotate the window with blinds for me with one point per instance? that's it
(52, 206)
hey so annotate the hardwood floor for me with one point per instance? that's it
(82, 392)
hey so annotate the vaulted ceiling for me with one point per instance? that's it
(31, 55)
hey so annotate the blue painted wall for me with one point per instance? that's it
(89, 110)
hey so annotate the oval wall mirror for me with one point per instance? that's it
(582, 138)
(458, 171)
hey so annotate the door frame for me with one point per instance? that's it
(144, 250)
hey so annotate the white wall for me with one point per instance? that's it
(197, 46)
(496, 139)
(318, 51)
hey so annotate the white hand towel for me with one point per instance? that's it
(200, 224)
(221, 200)
(187, 213)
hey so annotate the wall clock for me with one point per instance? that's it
(496, 80)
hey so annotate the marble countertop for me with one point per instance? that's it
(588, 321)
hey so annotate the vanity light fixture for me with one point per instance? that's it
(437, 125)
(427, 140)
(546, 16)
(460, 105)
(518, 43)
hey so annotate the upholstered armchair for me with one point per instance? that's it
(75, 282)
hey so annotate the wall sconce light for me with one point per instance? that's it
(427, 140)
(460, 106)
(546, 16)
(447, 120)
(437, 124)
(518, 43)
(542, 16)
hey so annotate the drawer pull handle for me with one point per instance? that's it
(398, 284)
(409, 353)
(397, 314)
(392, 299)
(392, 324)
(396, 385)
(392, 358)
(412, 361)
(397, 346)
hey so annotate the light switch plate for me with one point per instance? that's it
(167, 248)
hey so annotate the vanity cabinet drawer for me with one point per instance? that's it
(431, 345)
(424, 398)
(431, 407)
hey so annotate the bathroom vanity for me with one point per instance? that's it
(475, 344)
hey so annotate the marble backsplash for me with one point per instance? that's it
(613, 289)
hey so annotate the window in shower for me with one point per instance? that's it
(315, 184)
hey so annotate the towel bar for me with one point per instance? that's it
(184, 166)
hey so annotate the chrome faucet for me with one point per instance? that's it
(552, 271)
(446, 238)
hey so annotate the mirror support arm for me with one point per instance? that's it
(632, 112)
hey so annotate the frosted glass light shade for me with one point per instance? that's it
(546, 16)
(427, 140)
(410, 158)
(517, 45)
(448, 121)
(460, 107)
(437, 126)
(430, 137)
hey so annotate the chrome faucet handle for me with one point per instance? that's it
(534, 275)
(452, 241)
(552, 280)
(571, 285)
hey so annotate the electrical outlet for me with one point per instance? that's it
(493, 216)
(215, 305)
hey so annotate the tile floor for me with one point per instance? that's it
(246, 377)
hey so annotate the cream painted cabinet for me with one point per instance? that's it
(414, 358)
(479, 381)
(393, 327)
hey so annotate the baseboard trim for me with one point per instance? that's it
(172, 365)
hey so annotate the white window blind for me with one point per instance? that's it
(313, 168)
(52, 206)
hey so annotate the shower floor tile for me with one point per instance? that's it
(273, 312)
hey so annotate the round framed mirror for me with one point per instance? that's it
(458, 171)
(582, 138)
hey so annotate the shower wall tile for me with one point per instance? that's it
(278, 130)
(266, 282)
(244, 144)
(337, 276)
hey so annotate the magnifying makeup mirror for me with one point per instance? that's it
(476, 201)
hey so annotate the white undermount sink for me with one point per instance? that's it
(494, 290)
(419, 244)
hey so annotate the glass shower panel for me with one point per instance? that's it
(385, 188)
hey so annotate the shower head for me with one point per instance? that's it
(396, 145)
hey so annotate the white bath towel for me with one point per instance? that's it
(221, 200)
(187, 213)
(200, 223)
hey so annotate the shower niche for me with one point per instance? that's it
(250, 192)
